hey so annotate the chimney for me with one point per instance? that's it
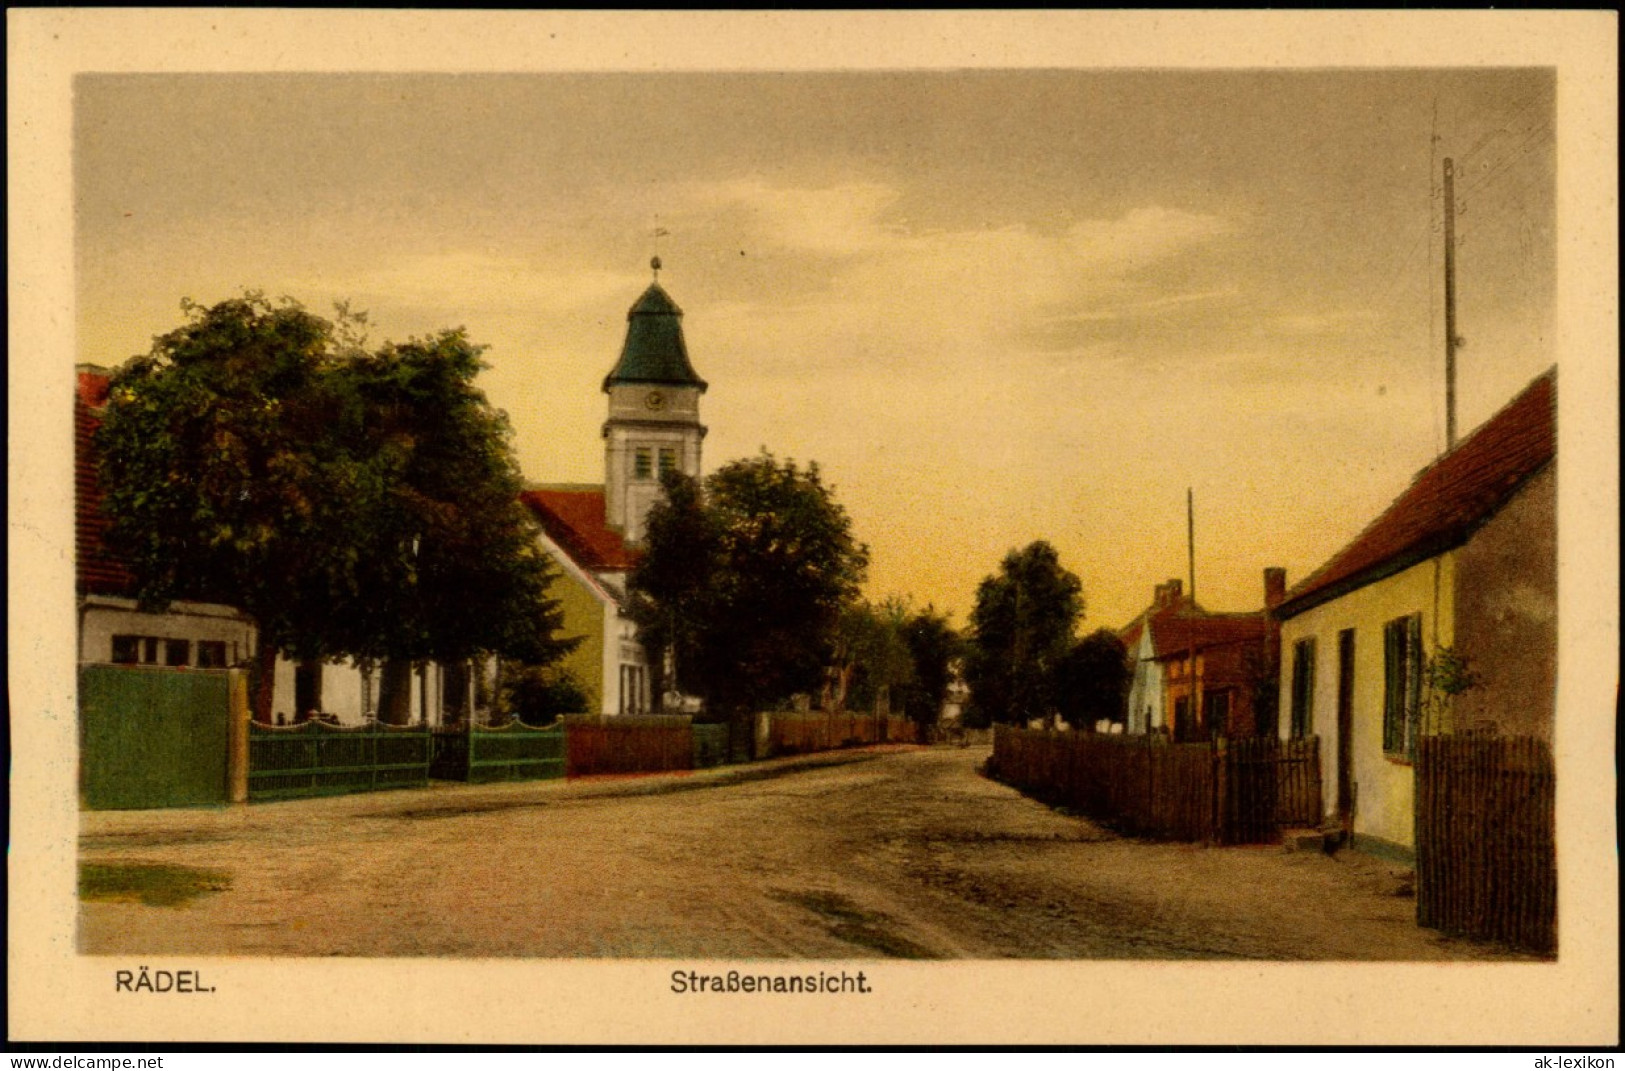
(1274, 586)
(1169, 594)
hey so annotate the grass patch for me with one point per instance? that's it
(153, 884)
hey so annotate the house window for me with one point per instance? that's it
(211, 654)
(632, 690)
(1402, 685)
(126, 650)
(1303, 688)
(177, 652)
(149, 650)
(668, 459)
(643, 463)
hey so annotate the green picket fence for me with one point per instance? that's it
(514, 752)
(318, 759)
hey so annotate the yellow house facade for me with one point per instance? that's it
(1440, 617)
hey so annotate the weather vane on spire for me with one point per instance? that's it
(654, 261)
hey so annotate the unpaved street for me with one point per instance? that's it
(883, 852)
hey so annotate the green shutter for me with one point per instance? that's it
(1393, 647)
(1413, 681)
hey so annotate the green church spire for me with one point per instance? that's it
(654, 351)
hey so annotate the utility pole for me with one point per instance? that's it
(1450, 339)
(1193, 703)
(1190, 536)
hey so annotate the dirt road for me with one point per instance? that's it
(885, 852)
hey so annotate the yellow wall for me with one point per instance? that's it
(584, 618)
(1384, 787)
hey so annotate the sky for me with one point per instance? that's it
(994, 306)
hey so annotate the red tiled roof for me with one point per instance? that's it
(99, 571)
(1160, 608)
(1447, 501)
(574, 519)
(1174, 634)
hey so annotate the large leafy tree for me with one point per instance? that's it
(352, 503)
(1093, 680)
(871, 660)
(671, 588)
(1021, 630)
(746, 581)
(933, 646)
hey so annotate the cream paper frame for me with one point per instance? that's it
(57, 994)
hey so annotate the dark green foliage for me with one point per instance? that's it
(933, 647)
(1021, 629)
(354, 503)
(747, 581)
(1093, 679)
(672, 587)
(871, 656)
(537, 695)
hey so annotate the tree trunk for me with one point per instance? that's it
(395, 692)
(454, 691)
(307, 689)
(264, 682)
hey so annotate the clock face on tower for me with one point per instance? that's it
(655, 400)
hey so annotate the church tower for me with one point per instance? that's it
(654, 411)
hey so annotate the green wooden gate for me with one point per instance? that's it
(153, 737)
(710, 745)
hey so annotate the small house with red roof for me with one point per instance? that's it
(592, 531)
(1459, 572)
(203, 635)
(1199, 674)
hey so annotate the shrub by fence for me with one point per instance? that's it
(319, 759)
(627, 744)
(1227, 792)
(1486, 862)
(513, 752)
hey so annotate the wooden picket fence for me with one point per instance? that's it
(628, 743)
(1225, 792)
(793, 733)
(1486, 863)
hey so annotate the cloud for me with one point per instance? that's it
(839, 220)
(474, 284)
(859, 278)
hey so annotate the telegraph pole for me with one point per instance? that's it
(1194, 702)
(1450, 339)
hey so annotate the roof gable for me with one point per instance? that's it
(97, 569)
(1175, 634)
(1447, 502)
(574, 518)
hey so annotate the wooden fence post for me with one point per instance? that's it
(237, 710)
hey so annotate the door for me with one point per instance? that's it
(1345, 730)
